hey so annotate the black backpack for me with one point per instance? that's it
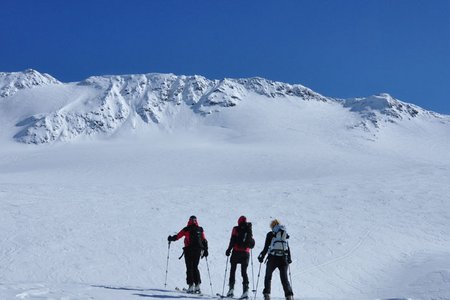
(244, 237)
(195, 237)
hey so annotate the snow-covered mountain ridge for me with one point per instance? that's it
(101, 105)
(12, 82)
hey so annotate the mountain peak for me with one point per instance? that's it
(383, 107)
(12, 82)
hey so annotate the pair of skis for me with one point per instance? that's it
(184, 290)
(226, 297)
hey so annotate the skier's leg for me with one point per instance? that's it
(270, 267)
(245, 281)
(232, 274)
(283, 267)
(244, 266)
(189, 268)
(232, 280)
(195, 261)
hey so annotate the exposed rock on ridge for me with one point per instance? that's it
(10, 83)
(152, 97)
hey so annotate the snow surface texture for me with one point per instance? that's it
(361, 185)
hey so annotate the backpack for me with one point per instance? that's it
(279, 245)
(195, 237)
(244, 238)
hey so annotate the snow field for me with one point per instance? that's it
(73, 216)
(363, 191)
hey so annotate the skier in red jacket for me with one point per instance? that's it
(241, 242)
(195, 246)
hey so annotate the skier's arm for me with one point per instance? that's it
(263, 253)
(269, 237)
(289, 257)
(232, 241)
(180, 234)
(205, 245)
(204, 240)
(176, 237)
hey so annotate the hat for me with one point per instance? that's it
(242, 219)
(192, 221)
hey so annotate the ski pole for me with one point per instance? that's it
(225, 276)
(209, 275)
(257, 280)
(167, 265)
(290, 276)
(288, 264)
(253, 273)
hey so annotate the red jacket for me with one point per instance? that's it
(185, 233)
(234, 234)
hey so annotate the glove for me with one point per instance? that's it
(261, 258)
(289, 260)
(228, 252)
(172, 238)
(205, 253)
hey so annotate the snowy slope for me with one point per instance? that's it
(361, 184)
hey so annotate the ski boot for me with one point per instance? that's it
(290, 297)
(190, 289)
(230, 293)
(197, 289)
(266, 296)
(244, 291)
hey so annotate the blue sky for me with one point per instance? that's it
(337, 48)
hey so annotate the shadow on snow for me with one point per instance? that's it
(148, 290)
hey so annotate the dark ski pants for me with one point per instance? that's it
(279, 262)
(239, 257)
(192, 259)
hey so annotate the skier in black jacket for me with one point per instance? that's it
(195, 246)
(279, 257)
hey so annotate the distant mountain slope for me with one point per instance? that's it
(10, 83)
(101, 105)
(384, 108)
